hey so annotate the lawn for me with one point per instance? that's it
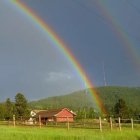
(36, 133)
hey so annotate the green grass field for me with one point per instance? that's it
(36, 133)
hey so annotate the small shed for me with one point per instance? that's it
(34, 119)
(56, 115)
(35, 112)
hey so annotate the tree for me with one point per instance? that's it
(91, 113)
(2, 111)
(8, 109)
(120, 109)
(21, 106)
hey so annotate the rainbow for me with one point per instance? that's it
(57, 42)
(120, 33)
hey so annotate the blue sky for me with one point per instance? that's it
(30, 64)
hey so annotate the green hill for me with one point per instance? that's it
(80, 99)
(110, 95)
(73, 100)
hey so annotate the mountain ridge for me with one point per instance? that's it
(79, 99)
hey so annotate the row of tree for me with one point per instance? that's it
(123, 111)
(18, 108)
(21, 109)
(120, 109)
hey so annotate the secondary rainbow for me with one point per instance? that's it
(55, 40)
(120, 32)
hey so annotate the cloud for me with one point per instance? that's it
(58, 76)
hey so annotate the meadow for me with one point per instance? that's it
(48, 133)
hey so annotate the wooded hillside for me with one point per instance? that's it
(80, 99)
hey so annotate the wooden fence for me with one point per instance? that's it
(100, 123)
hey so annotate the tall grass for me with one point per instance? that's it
(35, 133)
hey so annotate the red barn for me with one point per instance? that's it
(57, 115)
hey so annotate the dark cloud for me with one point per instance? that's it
(29, 63)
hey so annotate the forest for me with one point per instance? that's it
(118, 101)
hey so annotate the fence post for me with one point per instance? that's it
(119, 123)
(68, 125)
(85, 116)
(100, 123)
(39, 121)
(110, 123)
(132, 124)
(14, 123)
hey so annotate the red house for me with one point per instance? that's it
(56, 115)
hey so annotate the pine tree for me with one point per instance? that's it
(2, 111)
(120, 109)
(8, 109)
(21, 106)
